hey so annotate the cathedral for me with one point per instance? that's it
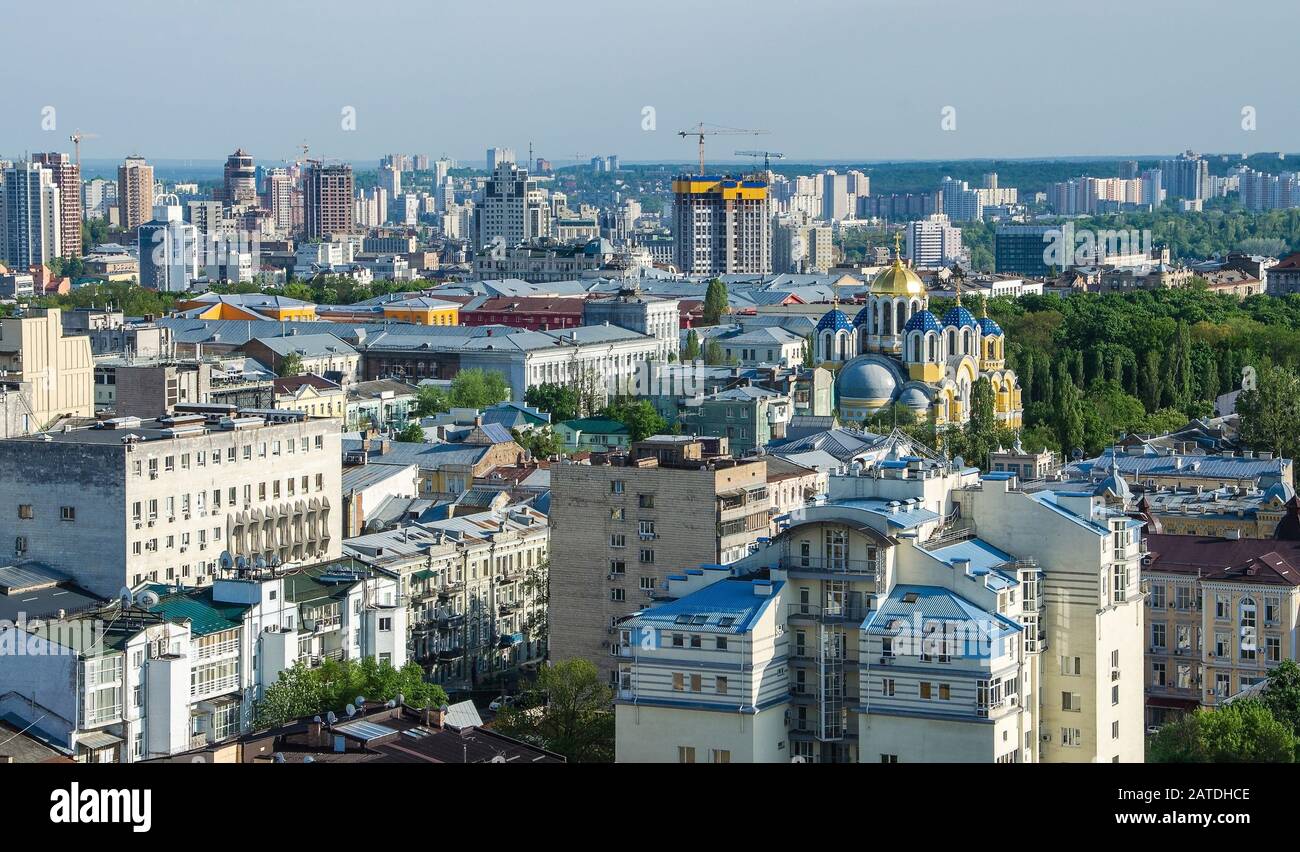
(895, 350)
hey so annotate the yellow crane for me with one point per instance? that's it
(701, 130)
(76, 138)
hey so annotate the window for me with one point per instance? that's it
(889, 758)
(617, 566)
(1158, 634)
(679, 640)
(720, 755)
(25, 511)
(616, 514)
(1114, 695)
(1071, 702)
(685, 754)
(1071, 666)
(1114, 730)
(887, 686)
(1159, 677)
(68, 513)
(616, 487)
(720, 685)
(385, 625)
(647, 555)
(647, 583)
(1071, 737)
(645, 501)
(617, 595)
(697, 683)
(945, 692)
(617, 540)
(925, 690)
(721, 643)
(1156, 598)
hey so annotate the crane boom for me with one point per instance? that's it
(701, 130)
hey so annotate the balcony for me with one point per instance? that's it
(809, 566)
(850, 612)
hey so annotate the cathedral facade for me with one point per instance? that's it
(895, 350)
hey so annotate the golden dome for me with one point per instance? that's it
(898, 280)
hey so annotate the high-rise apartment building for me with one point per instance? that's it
(239, 186)
(134, 192)
(31, 213)
(721, 224)
(620, 528)
(168, 248)
(514, 210)
(933, 241)
(496, 157)
(923, 613)
(279, 199)
(1186, 176)
(67, 177)
(328, 193)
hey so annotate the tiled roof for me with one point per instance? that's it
(1243, 560)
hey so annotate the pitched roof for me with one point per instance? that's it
(1242, 560)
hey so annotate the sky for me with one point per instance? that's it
(868, 80)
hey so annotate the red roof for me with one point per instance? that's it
(1242, 560)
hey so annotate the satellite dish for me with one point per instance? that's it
(798, 758)
(279, 757)
(309, 759)
(361, 701)
(350, 710)
(259, 561)
(330, 718)
(241, 563)
(443, 709)
(316, 719)
(497, 759)
(225, 560)
(400, 699)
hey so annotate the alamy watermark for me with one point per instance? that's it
(1068, 246)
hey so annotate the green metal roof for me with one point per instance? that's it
(205, 615)
(596, 425)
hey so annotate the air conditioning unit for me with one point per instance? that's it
(1047, 738)
(1114, 674)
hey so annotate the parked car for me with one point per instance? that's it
(500, 702)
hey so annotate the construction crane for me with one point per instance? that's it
(76, 138)
(701, 130)
(766, 155)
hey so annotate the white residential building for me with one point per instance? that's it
(922, 614)
(182, 669)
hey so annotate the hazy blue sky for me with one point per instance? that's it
(842, 80)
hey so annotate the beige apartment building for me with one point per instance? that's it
(135, 192)
(54, 373)
(129, 500)
(1222, 614)
(623, 524)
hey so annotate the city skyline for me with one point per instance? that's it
(878, 97)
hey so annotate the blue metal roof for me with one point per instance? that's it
(922, 321)
(862, 315)
(732, 598)
(982, 555)
(834, 319)
(1210, 467)
(958, 315)
(989, 327)
(908, 607)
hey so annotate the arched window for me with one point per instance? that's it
(901, 313)
(1247, 612)
(916, 347)
(844, 346)
(884, 320)
(965, 341)
(952, 342)
(934, 343)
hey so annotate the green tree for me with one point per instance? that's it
(562, 402)
(1282, 694)
(713, 354)
(1270, 412)
(639, 416)
(692, 350)
(430, 399)
(1069, 413)
(715, 302)
(542, 443)
(291, 365)
(412, 434)
(567, 711)
(1241, 732)
(301, 691)
(477, 388)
